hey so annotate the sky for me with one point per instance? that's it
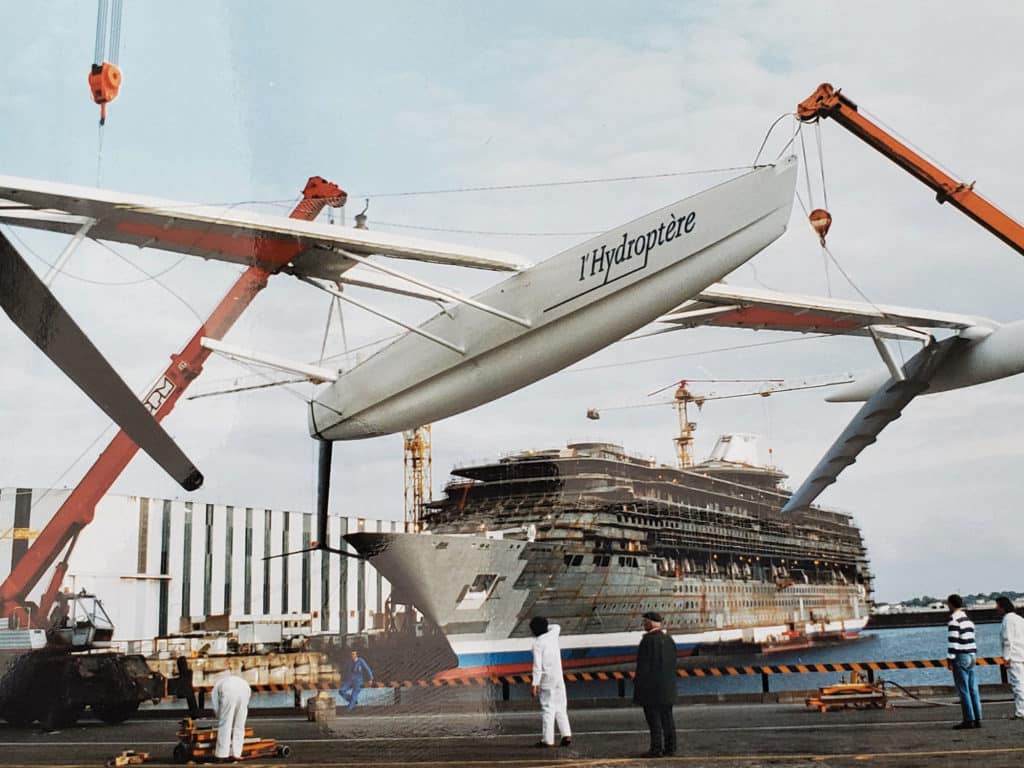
(235, 102)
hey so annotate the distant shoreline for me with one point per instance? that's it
(927, 618)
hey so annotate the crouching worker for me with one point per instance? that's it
(230, 701)
(548, 682)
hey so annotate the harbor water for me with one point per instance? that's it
(900, 644)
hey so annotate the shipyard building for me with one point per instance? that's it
(166, 566)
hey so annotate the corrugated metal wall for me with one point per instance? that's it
(154, 561)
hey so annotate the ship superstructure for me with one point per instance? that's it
(592, 537)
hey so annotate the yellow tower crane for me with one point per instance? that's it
(683, 398)
(418, 476)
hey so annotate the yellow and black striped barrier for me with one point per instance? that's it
(868, 668)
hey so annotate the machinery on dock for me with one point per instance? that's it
(55, 684)
(67, 669)
(855, 694)
(196, 743)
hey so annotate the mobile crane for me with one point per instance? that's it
(55, 684)
(827, 101)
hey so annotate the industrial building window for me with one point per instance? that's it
(229, 551)
(165, 568)
(361, 592)
(186, 564)
(325, 587)
(343, 612)
(247, 595)
(22, 519)
(573, 559)
(306, 541)
(140, 565)
(380, 578)
(208, 562)
(266, 562)
(284, 564)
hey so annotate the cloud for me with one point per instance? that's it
(246, 106)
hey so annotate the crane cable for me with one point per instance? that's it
(104, 75)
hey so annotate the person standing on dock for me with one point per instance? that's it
(357, 675)
(962, 653)
(1012, 635)
(185, 690)
(549, 683)
(654, 687)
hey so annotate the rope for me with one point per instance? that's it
(487, 232)
(914, 696)
(697, 354)
(767, 135)
(115, 33)
(839, 266)
(101, 31)
(807, 170)
(788, 144)
(559, 183)
(905, 140)
(821, 162)
(248, 388)
(107, 283)
(99, 154)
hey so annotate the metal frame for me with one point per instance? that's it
(380, 313)
(314, 373)
(431, 287)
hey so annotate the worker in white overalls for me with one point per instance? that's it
(230, 701)
(548, 683)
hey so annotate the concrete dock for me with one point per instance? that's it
(782, 735)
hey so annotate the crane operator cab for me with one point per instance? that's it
(78, 622)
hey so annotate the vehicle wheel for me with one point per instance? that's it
(18, 720)
(284, 751)
(59, 714)
(180, 753)
(113, 714)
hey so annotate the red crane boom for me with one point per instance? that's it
(78, 509)
(827, 101)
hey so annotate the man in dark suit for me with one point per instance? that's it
(654, 687)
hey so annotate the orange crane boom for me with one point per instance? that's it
(827, 101)
(78, 509)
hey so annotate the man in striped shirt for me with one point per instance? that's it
(961, 654)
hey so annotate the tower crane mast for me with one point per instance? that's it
(418, 475)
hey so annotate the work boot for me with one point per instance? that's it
(964, 725)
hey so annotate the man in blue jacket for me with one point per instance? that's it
(357, 674)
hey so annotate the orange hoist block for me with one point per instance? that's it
(104, 82)
(821, 220)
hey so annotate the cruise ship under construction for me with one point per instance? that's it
(592, 537)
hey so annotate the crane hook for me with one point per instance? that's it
(821, 221)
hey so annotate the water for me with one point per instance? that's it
(902, 644)
(907, 643)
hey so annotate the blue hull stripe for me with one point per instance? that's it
(501, 658)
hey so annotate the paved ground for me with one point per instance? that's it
(747, 735)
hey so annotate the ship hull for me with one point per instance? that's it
(483, 591)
